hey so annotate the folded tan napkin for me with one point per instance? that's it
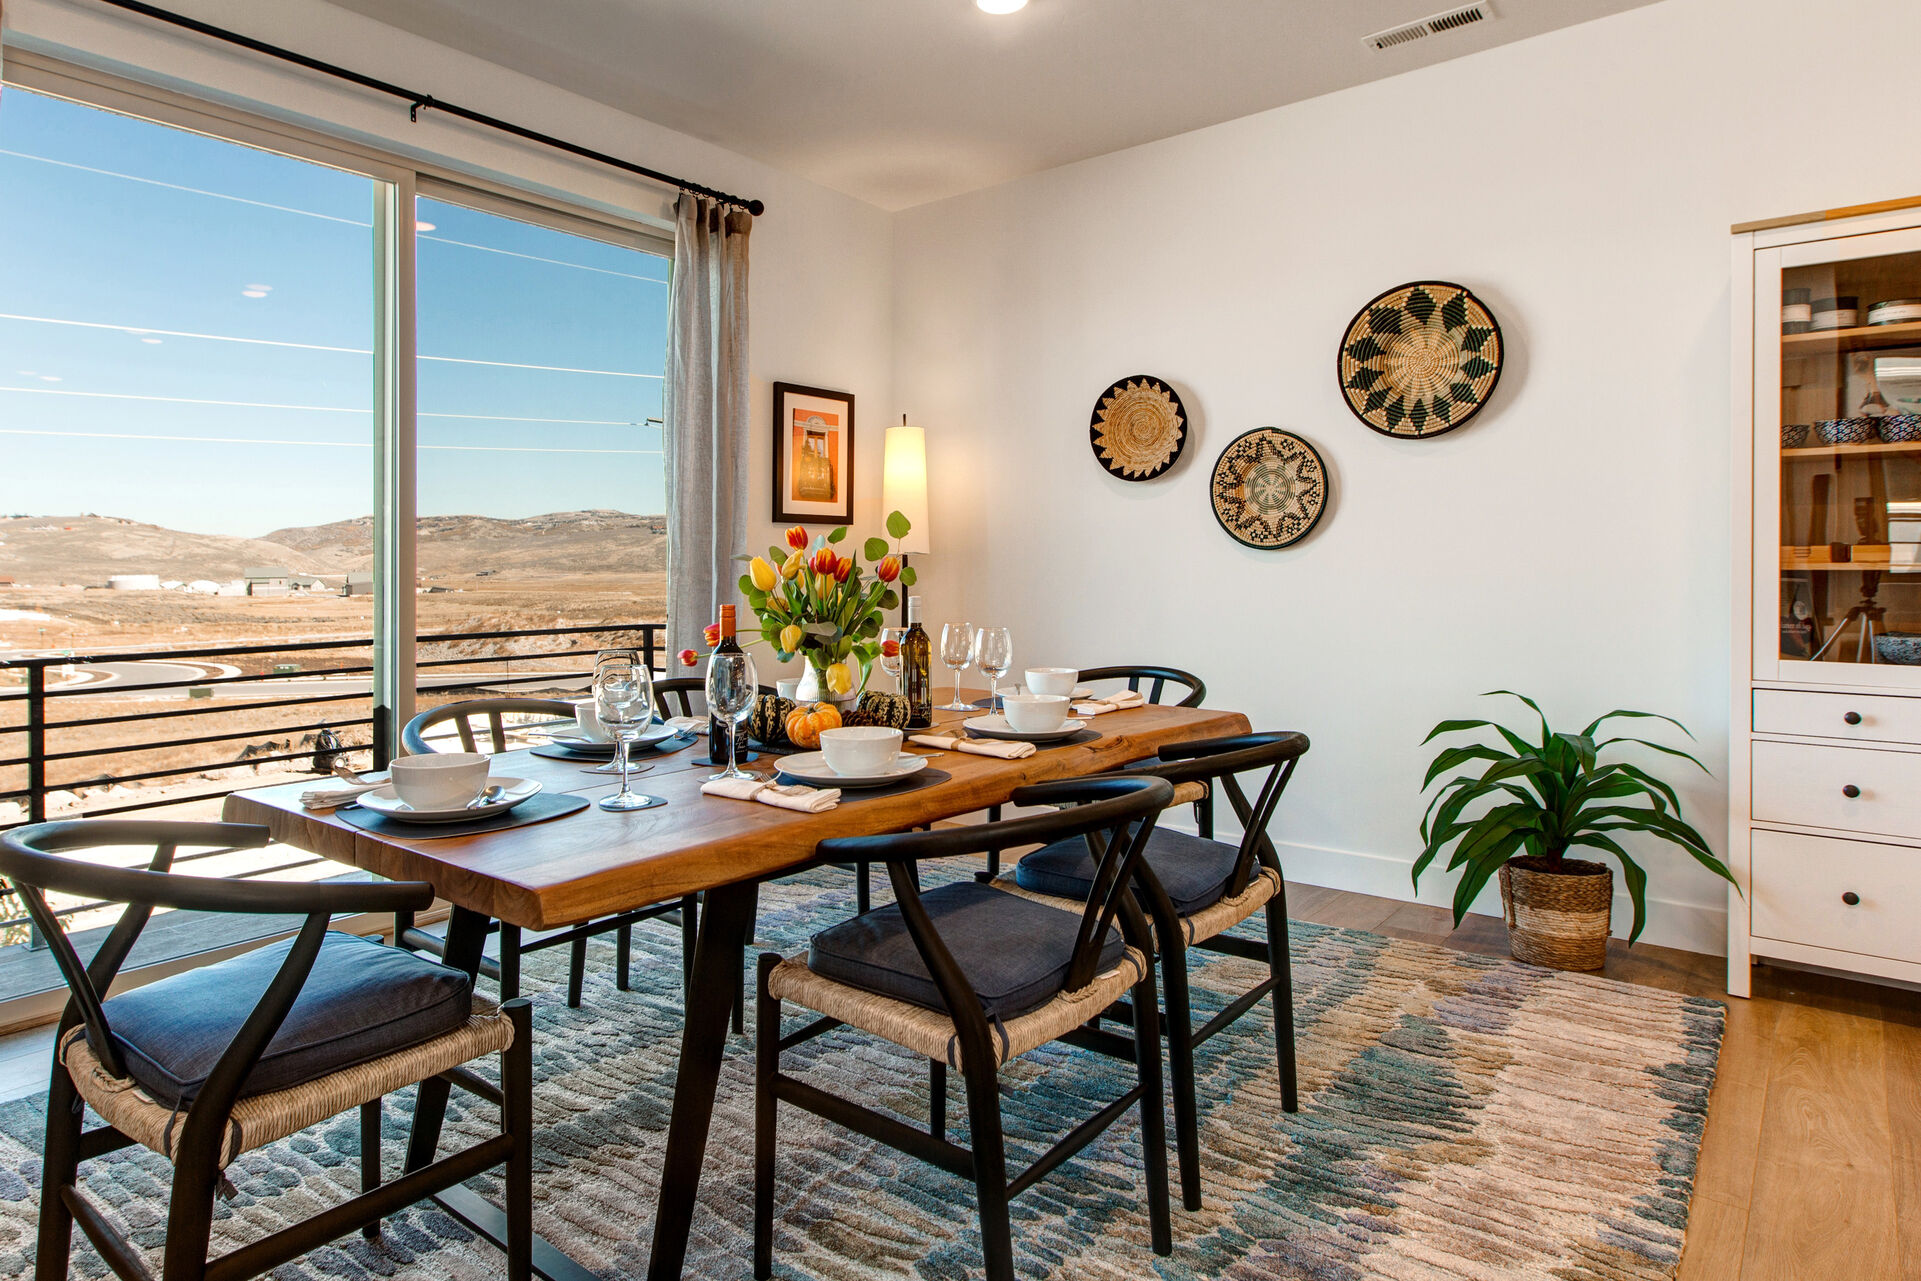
(786, 796)
(688, 724)
(327, 798)
(1007, 751)
(1112, 703)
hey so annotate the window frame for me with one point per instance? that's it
(401, 179)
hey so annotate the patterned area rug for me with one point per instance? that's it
(1462, 1117)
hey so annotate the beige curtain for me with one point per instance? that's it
(704, 409)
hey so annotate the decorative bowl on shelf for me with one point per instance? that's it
(1898, 429)
(1898, 647)
(1845, 431)
(1794, 435)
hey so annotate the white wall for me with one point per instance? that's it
(821, 261)
(1571, 542)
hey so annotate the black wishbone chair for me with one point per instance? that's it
(1195, 890)
(213, 1062)
(506, 968)
(970, 977)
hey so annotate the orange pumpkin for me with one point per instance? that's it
(804, 724)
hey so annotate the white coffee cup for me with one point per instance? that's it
(1035, 713)
(587, 722)
(442, 782)
(1052, 680)
(788, 687)
(860, 751)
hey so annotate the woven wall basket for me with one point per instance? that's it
(1558, 920)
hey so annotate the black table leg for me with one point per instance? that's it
(725, 921)
(466, 937)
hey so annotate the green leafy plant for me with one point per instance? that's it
(1549, 798)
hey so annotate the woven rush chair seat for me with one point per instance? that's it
(1222, 916)
(260, 1119)
(930, 1033)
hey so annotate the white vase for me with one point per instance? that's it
(814, 690)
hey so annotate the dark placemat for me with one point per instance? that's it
(1072, 740)
(536, 809)
(929, 777)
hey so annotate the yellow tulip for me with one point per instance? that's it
(790, 637)
(763, 574)
(791, 566)
(839, 679)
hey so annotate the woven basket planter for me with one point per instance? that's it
(1558, 919)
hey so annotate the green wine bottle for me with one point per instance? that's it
(917, 669)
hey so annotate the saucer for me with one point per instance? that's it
(574, 742)
(384, 801)
(811, 768)
(997, 727)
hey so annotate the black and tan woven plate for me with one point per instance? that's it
(1138, 428)
(1421, 359)
(1269, 489)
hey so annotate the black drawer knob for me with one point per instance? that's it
(1852, 718)
(1850, 791)
(1851, 898)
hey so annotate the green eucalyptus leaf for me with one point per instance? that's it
(747, 584)
(837, 534)
(897, 525)
(874, 548)
(908, 577)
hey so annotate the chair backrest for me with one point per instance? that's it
(463, 715)
(1157, 678)
(1216, 762)
(676, 696)
(1116, 812)
(36, 860)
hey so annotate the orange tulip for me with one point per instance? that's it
(710, 634)
(688, 658)
(889, 648)
(797, 538)
(888, 569)
(842, 568)
(824, 561)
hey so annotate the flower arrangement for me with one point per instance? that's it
(825, 607)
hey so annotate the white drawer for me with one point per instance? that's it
(1864, 717)
(1853, 789)
(1798, 886)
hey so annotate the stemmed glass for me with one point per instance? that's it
(732, 684)
(891, 665)
(957, 642)
(624, 697)
(994, 652)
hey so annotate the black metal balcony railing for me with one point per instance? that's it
(30, 739)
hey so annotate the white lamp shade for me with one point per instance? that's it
(903, 485)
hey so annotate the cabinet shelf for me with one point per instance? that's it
(1831, 451)
(1859, 338)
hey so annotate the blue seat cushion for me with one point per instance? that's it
(1194, 871)
(362, 1001)
(1014, 952)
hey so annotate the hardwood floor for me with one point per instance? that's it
(1810, 1169)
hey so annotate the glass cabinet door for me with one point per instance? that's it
(1849, 445)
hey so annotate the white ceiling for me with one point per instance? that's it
(898, 102)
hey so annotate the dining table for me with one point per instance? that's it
(597, 863)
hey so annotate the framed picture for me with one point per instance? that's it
(813, 454)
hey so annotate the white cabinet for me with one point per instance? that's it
(1825, 754)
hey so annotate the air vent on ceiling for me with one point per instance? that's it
(1452, 20)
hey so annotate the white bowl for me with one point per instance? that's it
(587, 722)
(860, 751)
(440, 782)
(1052, 680)
(1035, 713)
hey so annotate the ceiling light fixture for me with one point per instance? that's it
(1000, 6)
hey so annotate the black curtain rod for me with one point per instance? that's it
(418, 101)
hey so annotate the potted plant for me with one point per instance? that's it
(1529, 808)
(825, 607)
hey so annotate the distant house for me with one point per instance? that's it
(266, 577)
(358, 585)
(6, 581)
(133, 582)
(305, 583)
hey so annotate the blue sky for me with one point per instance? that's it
(243, 402)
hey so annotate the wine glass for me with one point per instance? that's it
(892, 665)
(624, 697)
(957, 641)
(732, 684)
(994, 652)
